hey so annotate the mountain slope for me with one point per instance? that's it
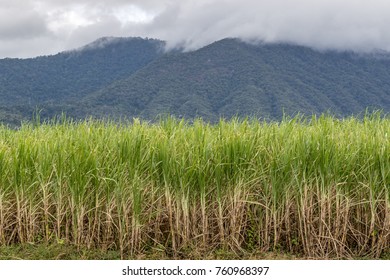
(128, 77)
(230, 78)
(57, 79)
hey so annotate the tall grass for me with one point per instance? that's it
(317, 187)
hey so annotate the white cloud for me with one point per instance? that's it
(359, 25)
(58, 25)
(132, 14)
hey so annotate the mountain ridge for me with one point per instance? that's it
(135, 77)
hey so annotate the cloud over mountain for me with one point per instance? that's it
(33, 27)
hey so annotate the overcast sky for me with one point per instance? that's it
(36, 27)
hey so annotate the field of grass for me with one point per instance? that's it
(317, 187)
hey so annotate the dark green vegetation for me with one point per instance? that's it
(58, 83)
(134, 77)
(316, 188)
(55, 251)
(64, 251)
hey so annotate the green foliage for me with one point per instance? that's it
(231, 78)
(54, 82)
(133, 77)
(317, 186)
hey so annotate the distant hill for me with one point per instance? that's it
(51, 82)
(128, 77)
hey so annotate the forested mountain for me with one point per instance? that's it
(51, 82)
(128, 77)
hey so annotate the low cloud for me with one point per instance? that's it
(326, 24)
(16, 23)
(358, 25)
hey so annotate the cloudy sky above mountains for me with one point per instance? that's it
(36, 27)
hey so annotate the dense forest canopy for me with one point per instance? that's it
(135, 77)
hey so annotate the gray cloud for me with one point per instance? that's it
(351, 24)
(29, 28)
(18, 23)
(110, 26)
(22, 26)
